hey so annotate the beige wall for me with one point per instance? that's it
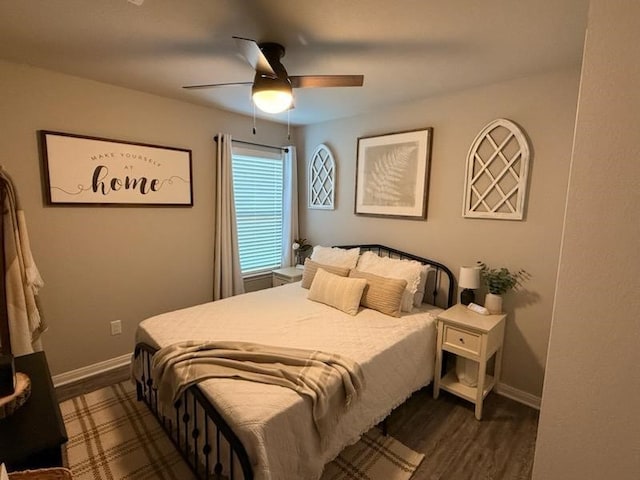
(589, 423)
(104, 264)
(545, 107)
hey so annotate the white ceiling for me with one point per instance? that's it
(406, 49)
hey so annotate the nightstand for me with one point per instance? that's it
(285, 275)
(473, 336)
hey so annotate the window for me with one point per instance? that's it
(258, 179)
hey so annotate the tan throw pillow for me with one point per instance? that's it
(408, 270)
(382, 293)
(338, 292)
(311, 267)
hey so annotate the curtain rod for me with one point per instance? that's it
(285, 149)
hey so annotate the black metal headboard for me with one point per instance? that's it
(441, 271)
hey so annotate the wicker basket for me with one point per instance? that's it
(42, 474)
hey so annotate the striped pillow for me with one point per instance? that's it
(311, 267)
(339, 292)
(383, 294)
(408, 270)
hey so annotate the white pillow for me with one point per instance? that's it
(409, 270)
(311, 268)
(418, 298)
(334, 256)
(343, 293)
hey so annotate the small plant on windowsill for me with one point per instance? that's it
(499, 281)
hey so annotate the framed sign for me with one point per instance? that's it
(82, 170)
(392, 174)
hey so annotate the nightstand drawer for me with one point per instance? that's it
(461, 339)
(277, 281)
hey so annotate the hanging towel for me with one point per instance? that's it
(23, 280)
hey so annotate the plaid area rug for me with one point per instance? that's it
(112, 436)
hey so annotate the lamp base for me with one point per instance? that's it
(467, 296)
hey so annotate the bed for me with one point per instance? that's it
(243, 430)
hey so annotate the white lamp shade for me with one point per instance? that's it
(272, 101)
(469, 277)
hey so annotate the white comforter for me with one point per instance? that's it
(275, 423)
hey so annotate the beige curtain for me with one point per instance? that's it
(290, 210)
(227, 278)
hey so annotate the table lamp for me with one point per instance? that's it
(469, 280)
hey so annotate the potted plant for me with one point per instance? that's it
(300, 250)
(498, 282)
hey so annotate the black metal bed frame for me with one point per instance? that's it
(197, 430)
(201, 435)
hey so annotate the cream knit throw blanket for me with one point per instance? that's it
(23, 279)
(329, 380)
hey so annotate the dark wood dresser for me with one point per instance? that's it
(34, 435)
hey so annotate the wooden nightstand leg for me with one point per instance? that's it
(482, 379)
(482, 371)
(438, 369)
(436, 377)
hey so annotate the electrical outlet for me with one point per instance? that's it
(116, 327)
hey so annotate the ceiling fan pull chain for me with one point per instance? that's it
(254, 118)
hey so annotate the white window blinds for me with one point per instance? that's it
(258, 179)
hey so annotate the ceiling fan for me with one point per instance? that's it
(272, 86)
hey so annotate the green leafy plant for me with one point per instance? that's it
(500, 280)
(300, 250)
(301, 244)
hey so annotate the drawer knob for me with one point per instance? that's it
(462, 340)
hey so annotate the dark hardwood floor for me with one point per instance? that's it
(459, 447)
(455, 444)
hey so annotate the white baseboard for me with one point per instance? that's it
(518, 395)
(91, 370)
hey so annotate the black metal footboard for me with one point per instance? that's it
(198, 431)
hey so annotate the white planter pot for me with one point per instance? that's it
(493, 303)
(467, 371)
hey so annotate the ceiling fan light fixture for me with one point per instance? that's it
(272, 95)
(272, 89)
(272, 100)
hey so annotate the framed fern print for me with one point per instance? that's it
(392, 174)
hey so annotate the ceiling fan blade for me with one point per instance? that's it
(213, 85)
(251, 51)
(320, 81)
